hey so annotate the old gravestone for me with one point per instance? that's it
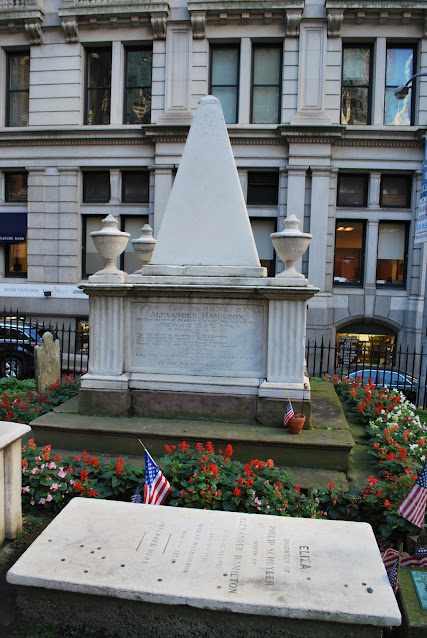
(47, 359)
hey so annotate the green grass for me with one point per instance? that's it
(12, 386)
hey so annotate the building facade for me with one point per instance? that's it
(96, 99)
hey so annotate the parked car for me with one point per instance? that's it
(392, 379)
(17, 342)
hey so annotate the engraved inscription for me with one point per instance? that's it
(209, 339)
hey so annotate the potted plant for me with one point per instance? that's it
(296, 424)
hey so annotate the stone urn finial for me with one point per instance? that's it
(144, 245)
(290, 244)
(110, 242)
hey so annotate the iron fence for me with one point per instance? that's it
(398, 368)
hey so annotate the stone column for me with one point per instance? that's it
(10, 478)
(296, 198)
(378, 76)
(163, 181)
(374, 190)
(117, 70)
(36, 225)
(319, 226)
(69, 225)
(115, 188)
(371, 249)
(245, 81)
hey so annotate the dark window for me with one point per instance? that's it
(263, 188)
(266, 84)
(135, 186)
(391, 258)
(16, 260)
(356, 85)
(18, 84)
(16, 187)
(399, 68)
(349, 252)
(352, 190)
(96, 187)
(98, 82)
(91, 259)
(82, 335)
(262, 229)
(225, 79)
(395, 191)
(129, 261)
(138, 86)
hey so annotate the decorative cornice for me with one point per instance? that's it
(335, 18)
(71, 30)
(198, 23)
(35, 32)
(255, 11)
(158, 23)
(293, 19)
(377, 11)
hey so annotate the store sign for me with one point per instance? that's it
(421, 224)
(347, 351)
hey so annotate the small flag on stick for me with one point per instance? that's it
(156, 487)
(413, 506)
(289, 414)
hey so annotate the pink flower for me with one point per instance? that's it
(31, 502)
(61, 473)
(52, 466)
(35, 470)
(42, 501)
(55, 486)
(26, 488)
(42, 466)
(37, 458)
(24, 470)
(49, 498)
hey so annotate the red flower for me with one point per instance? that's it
(78, 486)
(120, 465)
(237, 492)
(31, 444)
(24, 463)
(387, 503)
(170, 449)
(46, 453)
(210, 447)
(94, 462)
(213, 468)
(91, 493)
(83, 475)
(183, 446)
(199, 447)
(269, 463)
(297, 489)
(228, 451)
(331, 486)
(372, 480)
(57, 457)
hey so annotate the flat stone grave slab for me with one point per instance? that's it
(243, 563)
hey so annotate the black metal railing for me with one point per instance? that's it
(399, 368)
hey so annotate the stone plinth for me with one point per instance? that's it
(203, 345)
(321, 578)
(10, 478)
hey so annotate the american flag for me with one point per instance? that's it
(413, 506)
(156, 486)
(289, 414)
(392, 574)
(391, 557)
(136, 498)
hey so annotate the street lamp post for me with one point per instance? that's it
(420, 236)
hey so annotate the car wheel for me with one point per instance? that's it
(12, 366)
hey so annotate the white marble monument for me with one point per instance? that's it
(201, 327)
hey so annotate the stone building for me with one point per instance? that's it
(95, 104)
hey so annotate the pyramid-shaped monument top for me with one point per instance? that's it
(205, 229)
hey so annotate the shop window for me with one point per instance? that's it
(98, 86)
(262, 229)
(82, 335)
(225, 79)
(135, 186)
(16, 260)
(266, 84)
(91, 259)
(138, 85)
(16, 187)
(399, 68)
(96, 187)
(364, 349)
(129, 261)
(391, 258)
(263, 188)
(352, 190)
(349, 253)
(395, 191)
(356, 85)
(18, 88)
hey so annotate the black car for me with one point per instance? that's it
(17, 342)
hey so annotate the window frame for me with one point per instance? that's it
(126, 88)
(146, 175)
(255, 47)
(259, 173)
(23, 274)
(84, 218)
(408, 179)
(224, 45)
(359, 45)
(9, 91)
(412, 88)
(343, 175)
(88, 51)
(403, 284)
(351, 284)
(85, 175)
(7, 196)
(122, 224)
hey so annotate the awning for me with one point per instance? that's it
(13, 227)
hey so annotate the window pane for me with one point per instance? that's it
(265, 105)
(391, 254)
(99, 86)
(267, 65)
(399, 68)
(348, 252)
(96, 187)
(135, 186)
(352, 190)
(132, 225)
(228, 98)
(18, 115)
(262, 229)
(355, 105)
(139, 64)
(356, 65)
(138, 106)
(19, 72)
(397, 112)
(225, 66)
(99, 68)
(263, 188)
(395, 191)
(92, 259)
(16, 189)
(98, 106)
(16, 260)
